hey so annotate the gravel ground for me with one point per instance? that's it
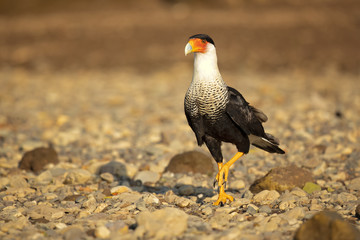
(115, 133)
(94, 140)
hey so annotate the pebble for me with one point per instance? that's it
(193, 161)
(116, 168)
(252, 209)
(357, 211)
(266, 197)
(152, 224)
(265, 209)
(92, 191)
(107, 177)
(77, 176)
(147, 177)
(354, 184)
(102, 232)
(186, 190)
(237, 184)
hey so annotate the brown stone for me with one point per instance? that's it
(281, 179)
(36, 159)
(193, 161)
(327, 225)
(357, 211)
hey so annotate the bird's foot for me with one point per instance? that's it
(223, 197)
(222, 176)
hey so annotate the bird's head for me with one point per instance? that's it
(199, 43)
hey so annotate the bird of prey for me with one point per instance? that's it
(218, 113)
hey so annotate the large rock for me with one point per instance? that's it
(327, 225)
(166, 223)
(35, 160)
(193, 161)
(281, 179)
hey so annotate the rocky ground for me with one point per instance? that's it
(115, 136)
(93, 151)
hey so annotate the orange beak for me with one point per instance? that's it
(195, 45)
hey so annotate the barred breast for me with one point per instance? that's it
(207, 99)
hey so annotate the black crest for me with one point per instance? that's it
(203, 36)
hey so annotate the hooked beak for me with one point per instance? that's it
(188, 48)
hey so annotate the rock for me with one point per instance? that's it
(311, 187)
(152, 224)
(252, 209)
(266, 197)
(18, 181)
(119, 189)
(186, 190)
(327, 225)
(207, 211)
(3, 182)
(102, 232)
(170, 196)
(73, 232)
(345, 197)
(265, 209)
(281, 179)
(147, 177)
(357, 211)
(150, 198)
(193, 161)
(183, 202)
(107, 177)
(354, 184)
(44, 178)
(237, 184)
(77, 176)
(117, 169)
(296, 213)
(35, 160)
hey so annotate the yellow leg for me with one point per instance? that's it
(222, 177)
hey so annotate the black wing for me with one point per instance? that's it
(197, 126)
(243, 115)
(249, 120)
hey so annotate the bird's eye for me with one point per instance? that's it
(203, 41)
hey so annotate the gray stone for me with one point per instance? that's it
(115, 168)
(265, 209)
(186, 190)
(252, 209)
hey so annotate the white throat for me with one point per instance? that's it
(205, 66)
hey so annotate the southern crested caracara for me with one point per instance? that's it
(218, 113)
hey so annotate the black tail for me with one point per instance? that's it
(268, 143)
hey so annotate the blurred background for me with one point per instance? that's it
(259, 35)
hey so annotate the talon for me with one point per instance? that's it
(223, 197)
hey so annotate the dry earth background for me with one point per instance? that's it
(103, 82)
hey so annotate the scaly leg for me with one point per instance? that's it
(222, 177)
